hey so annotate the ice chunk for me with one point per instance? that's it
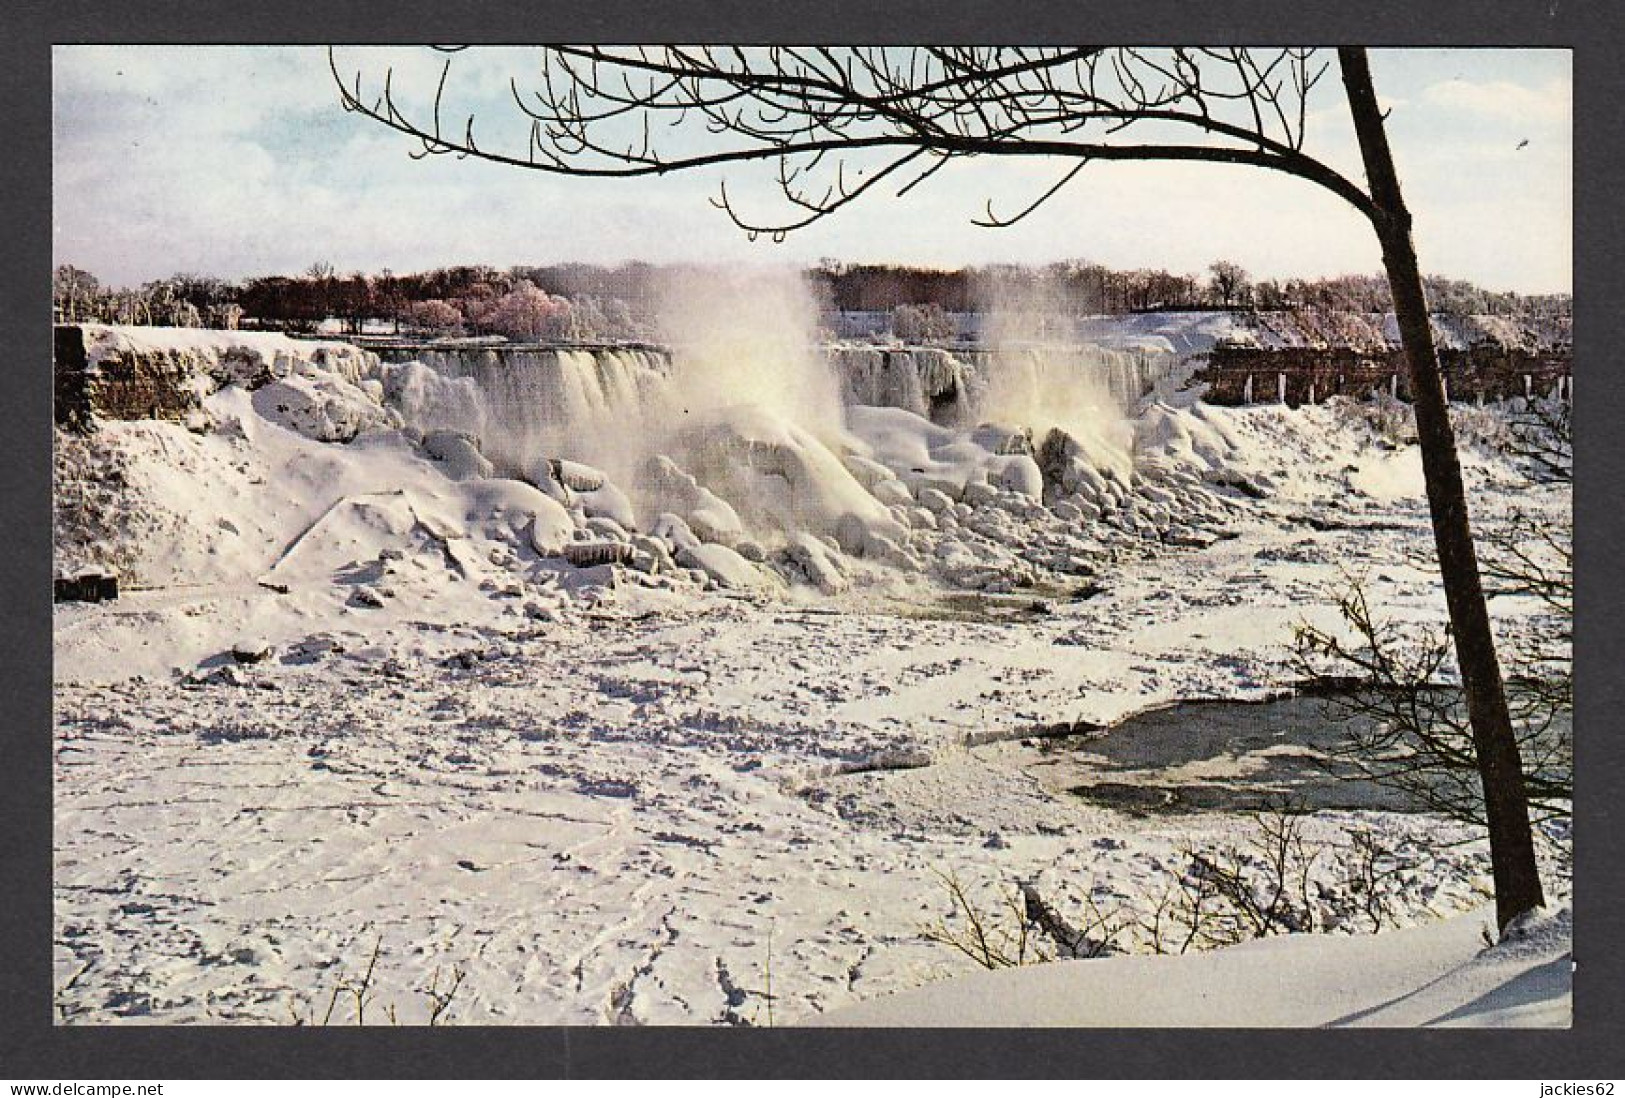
(675, 490)
(674, 529)
(1019, 473)
(609, 502)
(724, 566)
(779, 476)
(817, 562)
(456, 449)
(892, 492)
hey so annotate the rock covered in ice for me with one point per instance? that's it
(458, 452)
(724, 566)
(892, 492)
(549, 535)
(655, 550)
(509, 511)
(327, 408)
(925, 482)
(251, 650)
(862, 540)
(780, 476)
(815, 560)
(1003, 438)
(542, 474)
(577, 476)
(513, 512)
(711, 517)
(1019, 473)
(593, 582)
(606, 528)
(674, 529)
(1183, 437)
(1065, 467)
(926, 457)
(609, 502)
(578, 485)
(865, 471)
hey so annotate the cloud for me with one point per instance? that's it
(1503, 100)
(216, 88)
(238, 161)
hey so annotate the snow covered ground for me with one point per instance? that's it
(354, 699)
(1441, 974)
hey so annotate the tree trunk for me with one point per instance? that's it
(1512, 847)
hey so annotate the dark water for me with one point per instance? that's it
(1217, 755)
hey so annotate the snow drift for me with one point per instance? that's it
(1436, 975)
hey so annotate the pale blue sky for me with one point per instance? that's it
(237, 161)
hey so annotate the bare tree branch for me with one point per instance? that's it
(813, 110)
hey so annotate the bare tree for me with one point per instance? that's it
(837, 123)
(75, 294)
(1230, 282)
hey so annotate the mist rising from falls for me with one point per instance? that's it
(1043, 381)
(745, 415)
(755, 408)
(749, 338)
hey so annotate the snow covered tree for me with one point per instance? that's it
(835, 124)
(922, 323)
(526, 312)
(434, 315)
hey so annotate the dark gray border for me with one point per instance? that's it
(31, 1047)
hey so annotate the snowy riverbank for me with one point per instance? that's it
(356, 702)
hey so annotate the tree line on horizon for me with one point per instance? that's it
(587, 302)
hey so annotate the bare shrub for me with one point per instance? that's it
(1024, 929)
(1274, 881)
(1407, 727)
(360, 994)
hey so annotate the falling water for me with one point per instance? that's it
(960, 388)
(523, 404)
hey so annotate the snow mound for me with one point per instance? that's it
(779, 477)
(1435, 975)
(327, 408)
(725, 567)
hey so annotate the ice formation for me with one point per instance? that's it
(741, 453)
